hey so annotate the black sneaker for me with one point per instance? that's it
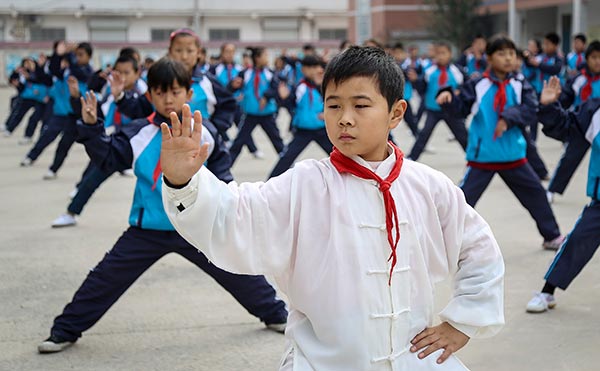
(54, 344)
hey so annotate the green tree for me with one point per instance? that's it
(457, 21)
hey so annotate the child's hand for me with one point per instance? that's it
(551, 91)
(262, 103)
(236, 83)
(444, 97)
(73, 87)
(89, 110)
(181, 155)
(501, 127)
(283, 90)
(533, 61)
(442, 336)
(412, 75)
(117, 83)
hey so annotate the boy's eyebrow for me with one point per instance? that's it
(360, 96)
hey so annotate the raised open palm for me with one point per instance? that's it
(551, 91)
(181, 154)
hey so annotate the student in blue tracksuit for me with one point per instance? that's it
(503, 104)
(127, 69)
(410, 77)
(225, 72)
(34, 94)
(580, 88)
(305, 103)
(583, 241)
(545, 65)
(64, 65)
(442, 74)
(576, 59)
(473, 60)
(259, 85)
(150, 235)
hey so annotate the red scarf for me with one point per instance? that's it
(157, 168)
(579, 60)
(500, 97)
(344, 164)
(586, 91)
(257, 83)
(443, 79)
(310, 86)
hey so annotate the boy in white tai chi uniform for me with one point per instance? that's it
(357, 241)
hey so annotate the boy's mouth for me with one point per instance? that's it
(346, 137)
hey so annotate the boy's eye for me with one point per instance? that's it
(361, 106)
(333, 106)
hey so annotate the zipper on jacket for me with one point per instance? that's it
(595, 195)
(478, 148)
(140, 216)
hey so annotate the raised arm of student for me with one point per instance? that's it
(244, 229)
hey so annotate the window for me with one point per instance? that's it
(107, 29)
(232, 34)
(46, 34)
(161, 34)
(280, 29)
(333, 34)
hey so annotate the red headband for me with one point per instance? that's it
(184, 31)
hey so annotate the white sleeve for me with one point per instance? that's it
(475, 263)
(244, 229)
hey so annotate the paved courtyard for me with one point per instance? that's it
(177, 318)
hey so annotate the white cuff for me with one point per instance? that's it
(184, 197)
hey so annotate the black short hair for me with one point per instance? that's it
(310, 47)
(128, 59)
(311, 61)
(87, 47)
(499, 42)
(163, 74)
(366, 61)
(594, 46)
(443, 44)
(255, 52)
(398, 45)
(129, 51)
(553, 38)
(581, 37)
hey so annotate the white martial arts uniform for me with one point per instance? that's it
(322, 236)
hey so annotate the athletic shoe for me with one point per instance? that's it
(7, 134)
(429, 149)
(541, 302)
(25, 140)
(26, 162)
(65, 220)
(277, 327)
(258, 154)
(555, 244)
(128, 173)
(54, 344)
(550, 196)
(50, 175)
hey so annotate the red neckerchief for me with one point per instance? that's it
(157, 168)
(310, 87)
(579, 60)
(500, 97)
(586, 91)
(344, 164)
(443, 79)
(257, 72)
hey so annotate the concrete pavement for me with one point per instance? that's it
(176, 318)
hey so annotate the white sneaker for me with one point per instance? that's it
(277, 327)
(50, 175)
(541, 302)
(429, 149)
(65, 220)
(7, 134)
(258, 154)
(550, 196)
(25, 140)
(26, 162)
(73, 193)
(128, 173)
(555, 244)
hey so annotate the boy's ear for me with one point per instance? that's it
(397, 112)
(189, 94)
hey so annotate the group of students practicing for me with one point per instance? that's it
(356, 241)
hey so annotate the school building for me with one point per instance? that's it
(27, 27)
(406, 20)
